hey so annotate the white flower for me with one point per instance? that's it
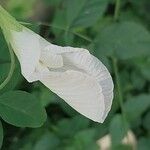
(73, 74)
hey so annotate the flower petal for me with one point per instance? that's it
(55, 49)
(50, 59)
(27, 47)
(79, 90)
(93, 67)
(72, 73)
(80, 59)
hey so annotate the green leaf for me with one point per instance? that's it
(21, 109)
(118, 129)
(16, 77)
(146, 121)
(59, 22)
(21, 9)
(85, 140)
(143, 66)
(144, 143)
(142, 8)
(4, 52)
(137, 81)
(136, 106)
(1, 134)
(47, 96)
(65, 126)
(67, 109)
(30, 139)
(53, 2)
(122, 147)
(47, 141)
(123, 40)
(84, 12)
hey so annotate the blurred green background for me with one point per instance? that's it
(120, 40)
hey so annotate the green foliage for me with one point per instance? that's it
(65, 126)
(136, 106)
(47, 141)
(118, 129)
(122, 147)
(4, 67)
(85, 140)
(144, 144)
(124, 40)
(89, 24)
(143, 66)
(1, 134)
(4, 54)
(21, 109)
(21, 9)
(84, 13)
(146, 121)
(68, 134)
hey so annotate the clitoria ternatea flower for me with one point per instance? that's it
(75, 75)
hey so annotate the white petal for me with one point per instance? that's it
(80, 91)
(93, 67)
(72, 73)
(55, 49)
(80, 59)
(27, 48)
(28, 45)
(50, 59)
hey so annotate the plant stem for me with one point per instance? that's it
(119, 94)
(117, 10)
(60, 28)
(12, 67)
(117, 78)
(8, 22)
(115, 66)
(120, 97)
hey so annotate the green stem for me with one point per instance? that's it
(8, 22)
(120, 97)
(60, 28)
(119, 92)
(114, 60)
(117, 78)
(117, 10)
(12, 67)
